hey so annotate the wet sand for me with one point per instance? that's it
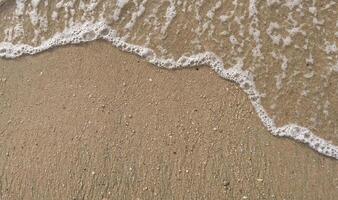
(76, 123)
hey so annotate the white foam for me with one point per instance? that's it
(92, 31)
(170, 15)
(272, 2)
(20, 7)
(330, 48)
(274, 37)
(35, 3)
(335, 67)
(136, 15)
(291, 4)
(253, 30)
(119, 4)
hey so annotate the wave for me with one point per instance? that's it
(90, 31)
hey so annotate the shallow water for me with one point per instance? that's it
(283, 53)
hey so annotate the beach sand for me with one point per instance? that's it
(76, 123)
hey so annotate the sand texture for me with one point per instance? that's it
(77, 123)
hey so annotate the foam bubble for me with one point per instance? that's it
(90, 31)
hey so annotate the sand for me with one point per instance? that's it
(92, 122)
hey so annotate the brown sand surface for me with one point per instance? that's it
(91, 122)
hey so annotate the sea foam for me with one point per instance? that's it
(86, 32)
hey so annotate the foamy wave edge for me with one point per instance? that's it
(88, 31)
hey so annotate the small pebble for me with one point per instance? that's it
(226, 183)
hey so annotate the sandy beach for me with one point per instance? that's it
(76, 123)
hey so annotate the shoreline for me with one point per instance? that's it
(83, 125)
(242, 78)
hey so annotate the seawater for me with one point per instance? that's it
(282, 53)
